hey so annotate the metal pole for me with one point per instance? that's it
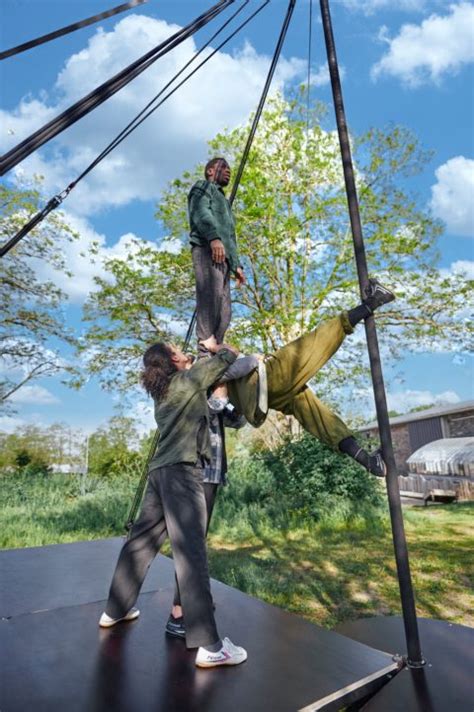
(415, 658)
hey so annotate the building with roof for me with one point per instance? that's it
(413, 430)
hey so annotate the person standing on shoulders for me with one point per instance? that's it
(214, 252)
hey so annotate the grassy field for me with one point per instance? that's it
(327, 573)
(343, 572)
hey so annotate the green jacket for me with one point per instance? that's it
(210, 218)
(183, 415)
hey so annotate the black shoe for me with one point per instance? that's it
(175, 626)
(377, 295)
(377, 465)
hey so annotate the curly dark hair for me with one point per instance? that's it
(158, 370)
(212, 163)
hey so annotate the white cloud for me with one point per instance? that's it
(406, 400)
(222, 94)
(460, 267)
(34, 394)
(424, 53)
(369, 7)
(143, 415)
(85, 266)
(453, 195)
(320, 77)
(11, 425)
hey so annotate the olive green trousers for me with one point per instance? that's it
(290, 369)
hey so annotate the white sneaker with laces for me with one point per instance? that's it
(107, 622)
(229, 654)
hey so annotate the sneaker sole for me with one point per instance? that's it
(125, 619)
(174, 634)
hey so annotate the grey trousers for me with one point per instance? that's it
(213, 303)
(174, 505)
(210, 493)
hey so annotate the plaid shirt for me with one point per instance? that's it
(215, 472)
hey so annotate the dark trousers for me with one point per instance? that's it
(210, 493)
(174, 505)
(213, 304)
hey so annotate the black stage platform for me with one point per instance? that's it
(55, 658)
(444, 684)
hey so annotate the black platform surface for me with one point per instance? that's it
(444, 684)
(55, 658)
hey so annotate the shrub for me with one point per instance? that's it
(302, 482)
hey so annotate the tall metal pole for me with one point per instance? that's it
(415, 658)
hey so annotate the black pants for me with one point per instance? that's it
(213, 304)
(210, 493)
(174, 505)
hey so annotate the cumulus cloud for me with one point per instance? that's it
(85, 261)
(404, 401)
(452, 197)
(34, 394)
(222, 94)
(425, 53)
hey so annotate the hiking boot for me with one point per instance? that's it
(175, 626)
(229, 654)
(377, 295)
(107, 622)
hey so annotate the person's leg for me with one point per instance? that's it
(210, 493)
(210, 279)
(292, 366)
(138, 552)
(225, 310)
(319, 420)
(316, 418)
(184, 504)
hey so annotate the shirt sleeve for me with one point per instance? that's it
(206, 371)
(200, 211)
(240, 368)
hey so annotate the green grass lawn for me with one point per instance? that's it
(342, 572)
(329, 573)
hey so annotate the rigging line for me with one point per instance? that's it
(135, 121)
(308, 88)
(271, 71)
(58, 199)
(105, 90)
(261, 104)
(69, 28)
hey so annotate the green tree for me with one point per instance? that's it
(31, 311)
(117, 450)
(295, 244)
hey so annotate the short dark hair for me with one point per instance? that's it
(159, 368)
(212, 163)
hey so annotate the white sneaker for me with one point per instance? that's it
(107, 622)
(229, 654)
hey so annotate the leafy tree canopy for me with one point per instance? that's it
(31, 311)
(295, 244)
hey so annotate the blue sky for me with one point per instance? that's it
(406, 62)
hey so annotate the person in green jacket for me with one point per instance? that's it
(214, 252)
(174, 504)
